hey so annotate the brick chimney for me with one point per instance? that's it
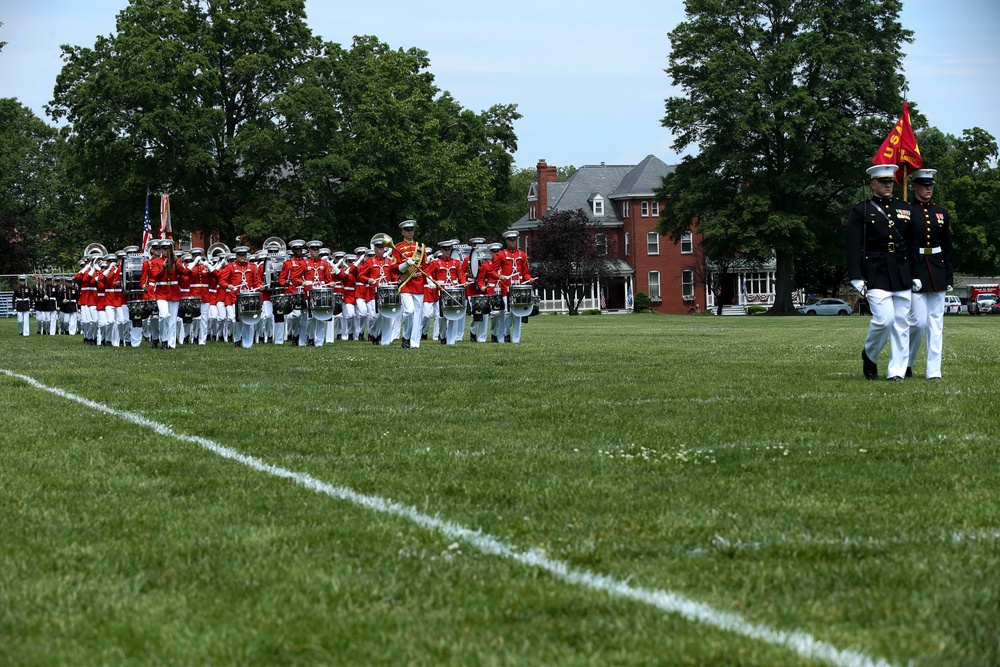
(546, 175)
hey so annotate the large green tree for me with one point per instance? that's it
(256, 127)
(968, 185)
(31, 190)
(786, 101)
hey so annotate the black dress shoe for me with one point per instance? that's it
(909, 371)
(870, 367)
(895, 379)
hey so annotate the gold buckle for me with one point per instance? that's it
(890, 247)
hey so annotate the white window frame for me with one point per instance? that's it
(601, 241)
(652, 243)
(656, 209)
(687, 285)
(645, 209)
(654, 292)
(626, 244)
(687, 243)
(625, 210)
(598, 206)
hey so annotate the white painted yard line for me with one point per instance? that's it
(801, 643)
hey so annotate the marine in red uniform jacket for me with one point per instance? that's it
(510, 265)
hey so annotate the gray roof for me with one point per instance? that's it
(610, 181)
(644, 179)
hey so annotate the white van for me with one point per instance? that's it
(952, 304)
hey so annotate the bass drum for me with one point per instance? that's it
(189, 308)
(132, 274)
(283, 304)
(453, 303)
(140, 309)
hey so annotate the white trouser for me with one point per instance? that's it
(69, 321)
(203, 322)
(387, 322)
(927, 318)
(889, 313)
(135, 333)
(413, 314)
(430, 312)
(24, 323)
(167, 311)
(111, 330)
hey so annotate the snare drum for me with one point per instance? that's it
(321, 302)
(453, 303)
(521, 300)
(388, 298)
(189, 308)
(248, 307)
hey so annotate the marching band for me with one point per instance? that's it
(299, 292)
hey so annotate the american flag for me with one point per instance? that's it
(147, 226)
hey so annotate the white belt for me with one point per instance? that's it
(929, 251)
(173, 282)
(200, 285)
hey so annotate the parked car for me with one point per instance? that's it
(985, 303)
(826, 307)
(953, 305)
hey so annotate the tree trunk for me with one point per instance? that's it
(782, 286)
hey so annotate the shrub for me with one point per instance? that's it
(756, 310)
(642, 302)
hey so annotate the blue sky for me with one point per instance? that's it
(587, 76)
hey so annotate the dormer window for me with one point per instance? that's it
(597, 204)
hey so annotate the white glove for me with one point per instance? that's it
(950, 288)
(860, 286)
(917, 284)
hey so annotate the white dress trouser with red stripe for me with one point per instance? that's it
(890, 311)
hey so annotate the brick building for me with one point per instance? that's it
(620, 203)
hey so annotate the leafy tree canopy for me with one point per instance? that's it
(257, 127)
(786, 100)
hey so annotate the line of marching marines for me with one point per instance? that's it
(301, 293)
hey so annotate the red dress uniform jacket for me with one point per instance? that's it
(238, 277)
(113, 287)
(146, 279)
(511, 267)
(293, 274)
(167, 281)
(402, 252)
(88, 288)
(200, 282)
(317, 274)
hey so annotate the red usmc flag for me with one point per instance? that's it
(900, 147)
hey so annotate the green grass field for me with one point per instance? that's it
(743, 464)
